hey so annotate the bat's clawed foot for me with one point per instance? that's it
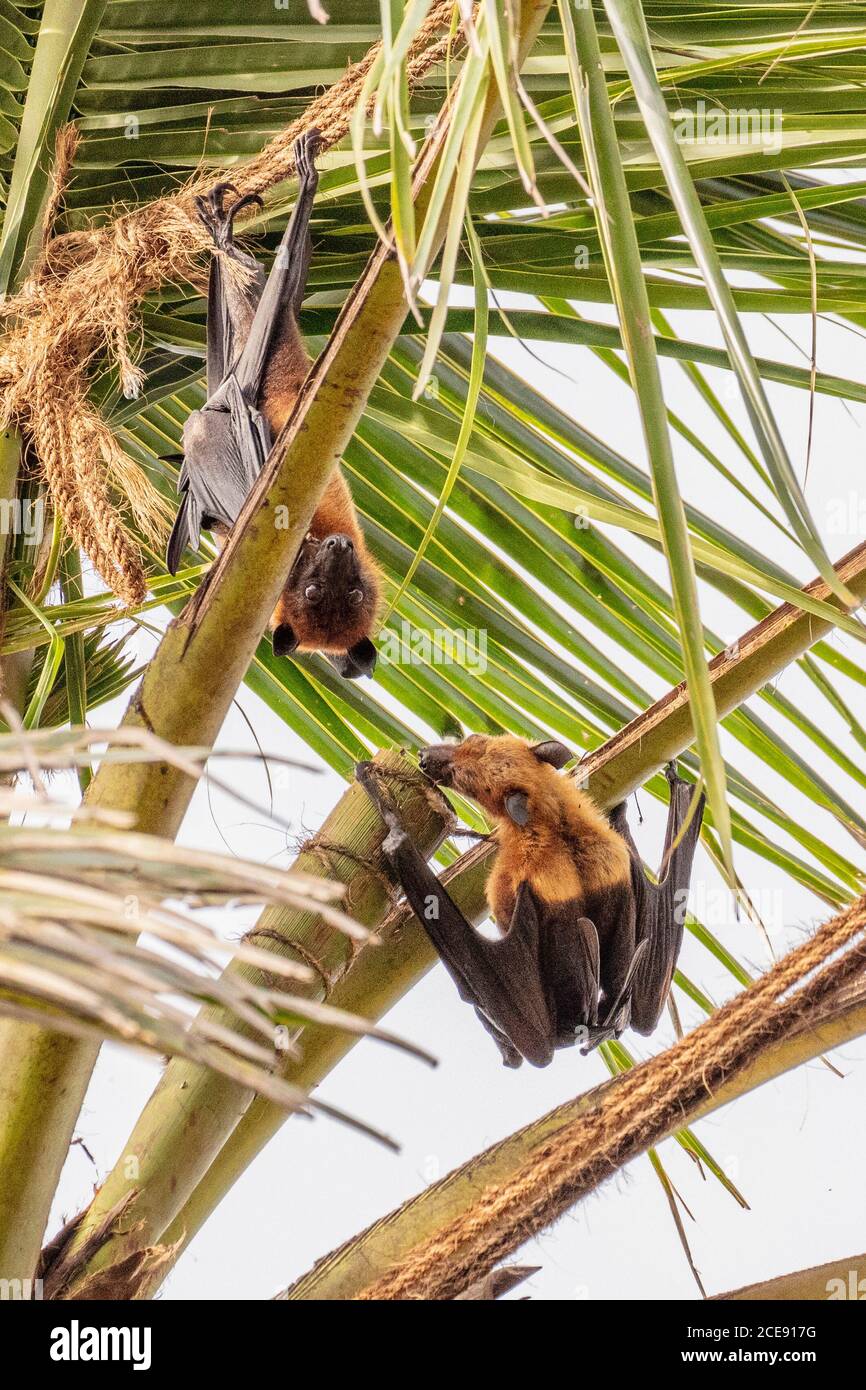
(218, 218)
(307, 147)
(366, 774)
(672, 772)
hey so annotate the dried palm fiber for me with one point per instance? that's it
(80, 301)
(633, 1113)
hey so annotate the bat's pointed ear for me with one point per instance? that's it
(359, 660)
(517, 806)
(284, 640)
(553, 752)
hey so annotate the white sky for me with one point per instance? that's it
(794, 1148)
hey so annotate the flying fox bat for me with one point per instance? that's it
(256, 365)
(589, 944)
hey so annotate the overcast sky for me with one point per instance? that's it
(794, 1148)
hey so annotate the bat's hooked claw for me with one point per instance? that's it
(365, 773)
(247, 201)
(307, 147)
(216, 195)
(218, 219)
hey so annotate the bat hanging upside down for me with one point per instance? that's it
(589, 944)
(256, 365)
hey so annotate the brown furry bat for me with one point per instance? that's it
(257, 363)
(589, 944)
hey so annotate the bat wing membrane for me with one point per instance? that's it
(220, 344)
(572, 966)
(501, 978)
(660, 908)
(225, 445)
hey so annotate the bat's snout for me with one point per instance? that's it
(437, 762)
(337, 545)
(336, 561)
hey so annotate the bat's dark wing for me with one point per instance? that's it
(661, 907)
(287, 280)
(571, 962)
(225, 445)
(222, 341)
(591, 959)
(502, 979)
(227, 441)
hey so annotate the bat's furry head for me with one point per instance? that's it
(329, 604)
(512, 780)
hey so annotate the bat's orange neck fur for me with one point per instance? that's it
(566, 849)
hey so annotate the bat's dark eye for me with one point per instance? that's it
(356, 596)
(313, 592)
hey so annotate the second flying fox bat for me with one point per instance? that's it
(589, 944)
(256, 365)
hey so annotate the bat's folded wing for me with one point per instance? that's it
(571, 964)
(502, 978)
(661, 906)
(225, 446)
